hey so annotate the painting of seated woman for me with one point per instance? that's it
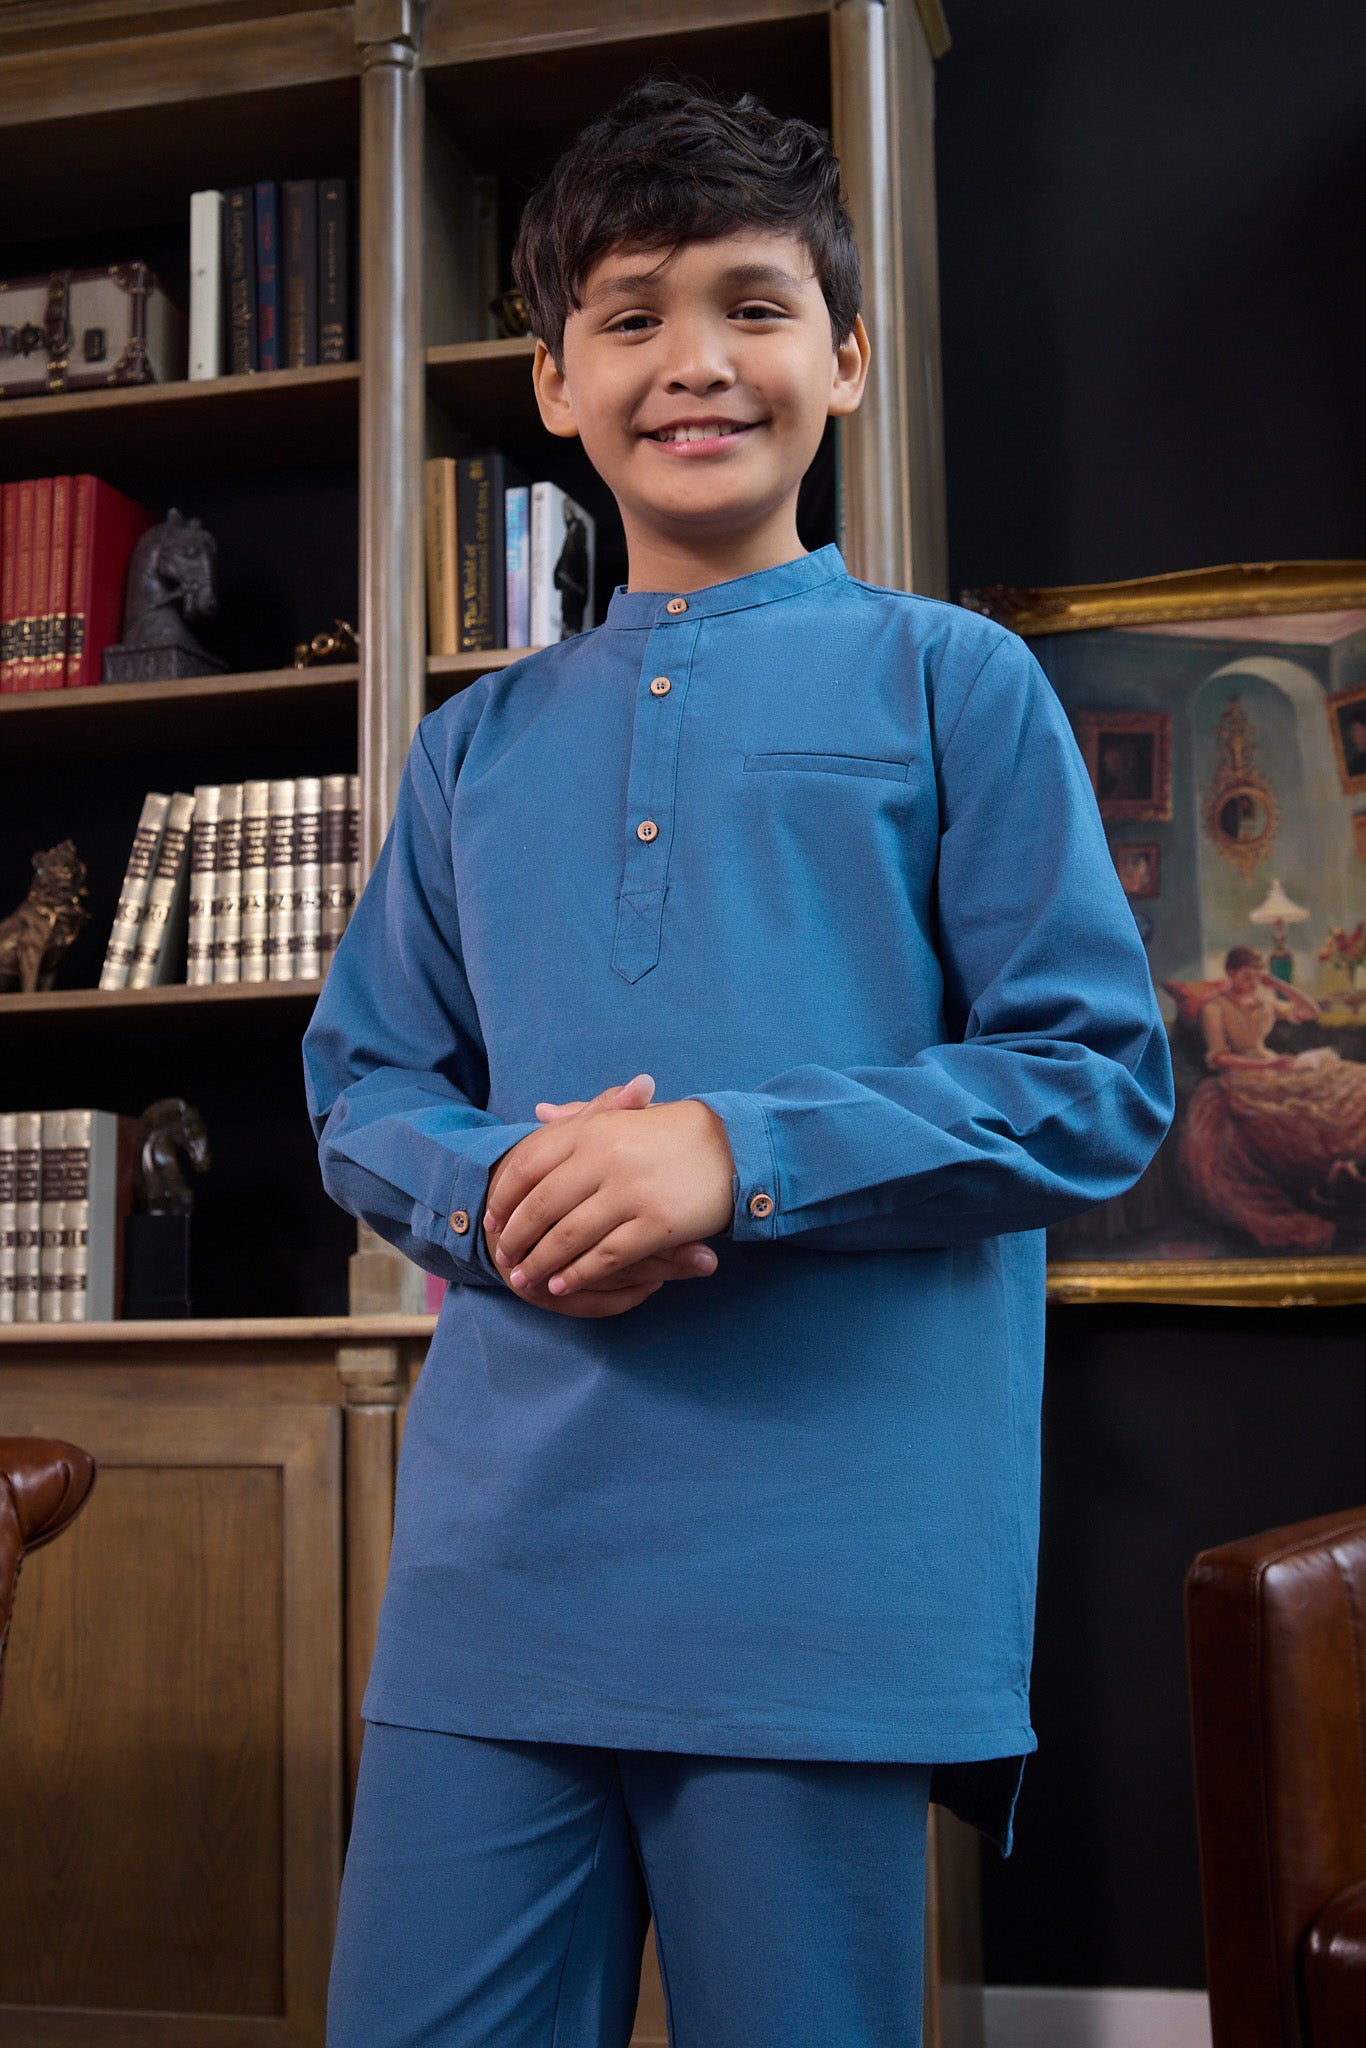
(1217, 713)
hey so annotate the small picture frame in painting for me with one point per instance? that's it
(1347, 717)
(1138, 863)
(1128, 755)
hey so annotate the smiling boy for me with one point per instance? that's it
(764, 939)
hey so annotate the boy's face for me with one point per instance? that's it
(700, 380)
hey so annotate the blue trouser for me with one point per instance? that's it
(496, 1896)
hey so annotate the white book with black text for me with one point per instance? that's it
(28, 1220)
(51, 1204)
(227, 885)
(203, 873)
(280, 888)
(308, 877)
(9, 1222)
(255, 879)
(163, 919)
(137, 881)
(206, 285)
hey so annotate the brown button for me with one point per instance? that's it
(660, 687)
(676, 604)
(761, 1205)
(647, 830)
(460, 1222)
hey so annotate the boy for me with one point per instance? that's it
(693, 1586)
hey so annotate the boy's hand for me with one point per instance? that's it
(582, 1203)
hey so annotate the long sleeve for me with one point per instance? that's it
(394, 1063)
(1056, 1087)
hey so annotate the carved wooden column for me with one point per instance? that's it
(392, 625)
(882, 81)
(374, 1379)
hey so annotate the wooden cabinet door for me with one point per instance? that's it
(170, 1738)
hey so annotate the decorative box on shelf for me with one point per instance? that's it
(79, 330)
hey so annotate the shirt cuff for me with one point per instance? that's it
(462, 1226)
(754, 1184)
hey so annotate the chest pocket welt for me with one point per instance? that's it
(829, 764)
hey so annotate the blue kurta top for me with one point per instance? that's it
(790, 1510)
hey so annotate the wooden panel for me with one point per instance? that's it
(173, 1899)
(274, 419)
(88, 1006)
(170, 1754)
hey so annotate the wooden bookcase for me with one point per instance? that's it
(181, 1719)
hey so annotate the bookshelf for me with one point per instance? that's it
(249, 1456)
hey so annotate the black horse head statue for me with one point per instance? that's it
(170, 580)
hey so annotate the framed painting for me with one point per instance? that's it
(1221, 714)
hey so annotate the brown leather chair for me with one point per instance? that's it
(43, 1486)
(1276, 1641)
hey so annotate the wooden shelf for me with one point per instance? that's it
(129, 718)
(486, 386)
(226, 1330)
(172, 1002)
(277, 419)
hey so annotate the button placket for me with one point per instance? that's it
(660, 694)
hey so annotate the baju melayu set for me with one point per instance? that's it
(682, 1601)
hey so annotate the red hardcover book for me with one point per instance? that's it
(9, 552)
(50, 673)
(23, 588)
(35, 617)
(105, 529)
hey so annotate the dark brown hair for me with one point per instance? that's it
(1242, 956)
(669, 163)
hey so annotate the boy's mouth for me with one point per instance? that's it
(700, 437)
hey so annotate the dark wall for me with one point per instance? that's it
(1151, 259)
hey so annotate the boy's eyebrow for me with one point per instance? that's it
(628, 285)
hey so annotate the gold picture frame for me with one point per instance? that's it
(1244, 846)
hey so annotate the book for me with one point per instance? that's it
(443, 618)
(50, 671)
(563, 559)
(162, 930)
(23, 588)
(101, 1154)
(352, 845)
(28, 1169)
(334, 271)
(239, 278)
(206, 285)
(227, 886)
(9, 1139)
(334, 864)
(308, 877)
(51, 1218)
(137, 880)
(267, 275)
(280, 884)
(299, 238)
(199, 968)
(474, 552)
(9, 561)
(35, 621)
(105, 528)
(517, 564)
(255, 879)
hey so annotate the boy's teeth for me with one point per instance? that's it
(694, 433)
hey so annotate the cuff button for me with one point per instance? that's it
(460, 1222)
(761, 1205)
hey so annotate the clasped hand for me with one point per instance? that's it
(592, 1214)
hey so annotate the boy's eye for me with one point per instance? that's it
(630, 323)
(759, 312)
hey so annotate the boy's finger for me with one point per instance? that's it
(682, 1262)
(612, 1253)
(529, 1162)
(637, 1093)
(563, 1237)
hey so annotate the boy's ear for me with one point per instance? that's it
(552, 395)
(851, 369)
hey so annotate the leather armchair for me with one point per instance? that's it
(1276, 1645)
(43, 1486)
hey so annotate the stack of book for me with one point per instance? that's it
(237, 881)
(65, 543)
(270, 277)
(66, 1180)
(509, 564)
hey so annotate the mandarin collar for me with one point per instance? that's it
(645, 609)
